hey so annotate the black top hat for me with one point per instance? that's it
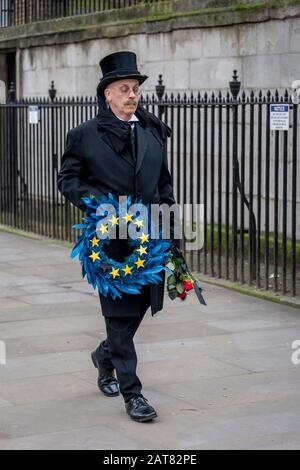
(117, 66)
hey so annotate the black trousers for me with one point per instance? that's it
(118, 352)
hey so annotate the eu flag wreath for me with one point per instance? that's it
(148, 257)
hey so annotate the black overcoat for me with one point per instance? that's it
(90, 165)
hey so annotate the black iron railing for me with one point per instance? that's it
(16, 12)
(223, 156)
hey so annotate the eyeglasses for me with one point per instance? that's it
(126, 91)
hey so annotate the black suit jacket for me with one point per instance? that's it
(90, 165)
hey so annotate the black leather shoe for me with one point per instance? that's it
(107, 382)
(139, 410)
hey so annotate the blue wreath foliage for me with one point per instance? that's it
(99, 271)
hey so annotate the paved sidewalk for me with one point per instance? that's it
(219, 376)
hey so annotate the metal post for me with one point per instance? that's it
(237, 184)
(52, 95)
(235, 85)
(65, 8)
(11, 95)
(160, 91)
(12, 140)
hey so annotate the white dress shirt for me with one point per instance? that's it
(133, 119)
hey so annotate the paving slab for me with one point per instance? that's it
(220, 377)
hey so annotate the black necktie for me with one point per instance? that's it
(132, 141)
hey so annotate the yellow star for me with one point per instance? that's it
(94, 256)
(142, 250)
(144, 238)
(127, 217)
(140, 263)
(114, 220)
(95, 241)
(114, 272)
(127, 270)
(139, 223)
(103, 229)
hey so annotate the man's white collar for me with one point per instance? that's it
(133, 118)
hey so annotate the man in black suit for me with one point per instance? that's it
(123, 150)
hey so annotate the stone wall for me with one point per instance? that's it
(194, 44)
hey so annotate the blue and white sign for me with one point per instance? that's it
(279, 117)
(33, 114)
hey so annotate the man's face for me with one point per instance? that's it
(123, 96)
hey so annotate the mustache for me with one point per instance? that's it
(131, 102)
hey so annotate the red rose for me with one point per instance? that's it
(182, 296)
(188, 285)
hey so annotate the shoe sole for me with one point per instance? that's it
(109, 394)
(143, 420)
(95, 362)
